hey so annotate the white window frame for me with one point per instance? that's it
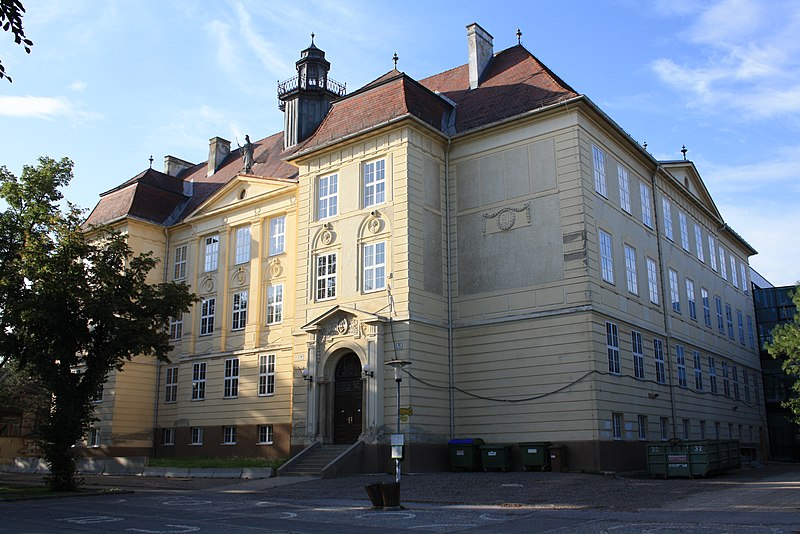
(196, 435)
(211, 253)
(712, 375)
(750, 333)
(374, 266)
(616, 426)
(171, 385)
(686, 428)
(743, 271)
(729, 320)
(277, 235)
(239, 310)
(168, 437)
(746, 384)
(726, 381)
(663, 425)
(229, 435)
(630, 270)
(702, 429)
(735, 372)
(658, 358)
(647, 212)
(740, 325)
(266, 435)
(327, 196)
(642, 423)
(231, 379)
(720, 317)
(179, 265)
(242, 253)
(325, 277)
(599, 160)
(723, 270)
(712, 252)
(638, 354)
(717, 432)
(374, 182)
(606, 256)
(612, 344)
(684, 230)
(706, 306)
(680, 358)
(207, 312)
(624, 190)
(652, 280)
(275, 304)
(698, 238)
(674, 291)
(266, 375)
(175, 328)
(692, 304)
(698, 370)
(734, 276)
(667, 209)
(93, 440)
(199, 381)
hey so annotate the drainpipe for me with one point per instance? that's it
(448, 274)
(158, 364)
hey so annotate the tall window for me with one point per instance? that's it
(196, 436)
(275, 304)
(717, 433)
(179, 271)
(642, 423)
(176, 327)
(212, 253)
(698, 242)
(663, 425)
(266, 375)
(667, 208)
(720, 320)
(684, 231)
(374, 266)
(94, 438)
(690, 299)
(712, 374)
(698, 371)
(606, 257)
(168, 436)
(743, 272)
(265, 435)
(685, 426)
(658, 352)
(722, 269)
(599, 158)
(735, 382)
(239, 311)
(652, 280)
(740, 323)
(726, 382)
(746, 383)
(229, 435)
(729, 320)
(706, 306)
(681, 359)
(624, 191)
(171, 385)
(207, 308)
(612, 340)
(750, 334)
(231, 381)
(674, 292)
(734, 277)
(199, 381)
(638, 355)
(630, 270)
(242, 245)
(702, 429)
(647, 215)
(374, 183)
(326, 276)
(616, 425)
(277, 235)
(712, 247)
(328, 196)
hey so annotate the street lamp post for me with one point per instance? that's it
(397, 365)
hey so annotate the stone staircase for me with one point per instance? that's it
(313, 461)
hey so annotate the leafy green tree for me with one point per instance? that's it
(72, 307)
(786, 344)
(11, 12)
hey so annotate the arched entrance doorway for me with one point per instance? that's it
(347, 400)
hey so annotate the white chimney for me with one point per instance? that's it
(218, 150)
(174, 166)
(481, 51)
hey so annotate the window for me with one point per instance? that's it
(740, 324)
(599, 158)
(690, 299)
(698, 371)
(327, 196)
(706, 306)
(168, 436)
(712, 375)
(94, 438)
(722, 269)
(642, 423)
(207, 316)
(674, 291)
(698, 242)
(374, 183)
(171, 385)
(730, 430)
(199, 381)
(277, 235)
(98, 395)
(275, 304)
(743, 272)
(647, 215)
(242, 254)
(686, 429)
(684, 231)
(681, 359)
(750, 334)
(658, 352)
(179, 272)
(616, 425)
(239, 311)
(702, 429)
(720, 320)
(266, 375)
(624, 192)
(717, 433)
(196, 436)
(734, 277)
(652, 280)
(664, 427)
(630, 270)
(612, 340)
(265, 435)
(729, 320)
(726, 383)
(736, 383)
(176, 328)
(374, 266)
(746, 383)
(229, 435)
(638, 355)
(606, 257)
(326, 276)
(667, 217)
(212, 253)
(231, 382)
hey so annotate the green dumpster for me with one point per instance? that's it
(692, 458)
(465, 453)
(496, 456)
(535, 455)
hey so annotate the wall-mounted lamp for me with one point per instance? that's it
(652, 395)
(367, 371)
(306, 375)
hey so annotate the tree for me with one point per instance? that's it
(786, 344)
(11, 12)
(72, 308)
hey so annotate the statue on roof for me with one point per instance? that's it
(247, 155)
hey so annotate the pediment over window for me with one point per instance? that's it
(243, 191)
(342, 321)
(686, 177)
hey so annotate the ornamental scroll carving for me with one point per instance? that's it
(506, 219)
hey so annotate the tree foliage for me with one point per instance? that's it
(72, 308)
(785, 344)
(11, 12)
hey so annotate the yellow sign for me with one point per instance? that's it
(406, 411)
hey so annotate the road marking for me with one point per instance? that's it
(399, 515)
(185, 501)
(183, 528)
(90, 519)
(442, 527)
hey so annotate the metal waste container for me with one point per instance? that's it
(534, 455)
(496, 456)
(558, 458)
(465, 453)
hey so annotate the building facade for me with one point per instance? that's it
(546, 277)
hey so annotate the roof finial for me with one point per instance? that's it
(312, 38)
(644, 145)
(395, 58)
(151, 161)
(684, 151)
(519, 36)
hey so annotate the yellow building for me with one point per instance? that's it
(546, 277)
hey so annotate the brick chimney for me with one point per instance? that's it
(481, 51)
(218, 150)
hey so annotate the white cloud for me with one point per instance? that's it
(41, 107)
(78, 85)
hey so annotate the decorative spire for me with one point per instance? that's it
(151, 161)
(684, 151)
(519, 36)
(395, 58)
(312, 38)
(644, 145)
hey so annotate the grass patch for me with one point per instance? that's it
(232, 462)
(13, 492)
(23, 491)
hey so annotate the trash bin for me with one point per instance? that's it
(496, 456)
(558, 458)
(535, 455)
(465, 453)
(390, 491)
(375, 495)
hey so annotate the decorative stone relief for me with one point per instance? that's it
(239, 277)
(208, 284)
(506, 219)
(374, 225)
(327, 237)
(275, 268)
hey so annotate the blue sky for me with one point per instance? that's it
(109, 83)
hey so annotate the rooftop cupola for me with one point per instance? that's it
(306, 98)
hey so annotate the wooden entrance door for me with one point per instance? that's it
(347, 403)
